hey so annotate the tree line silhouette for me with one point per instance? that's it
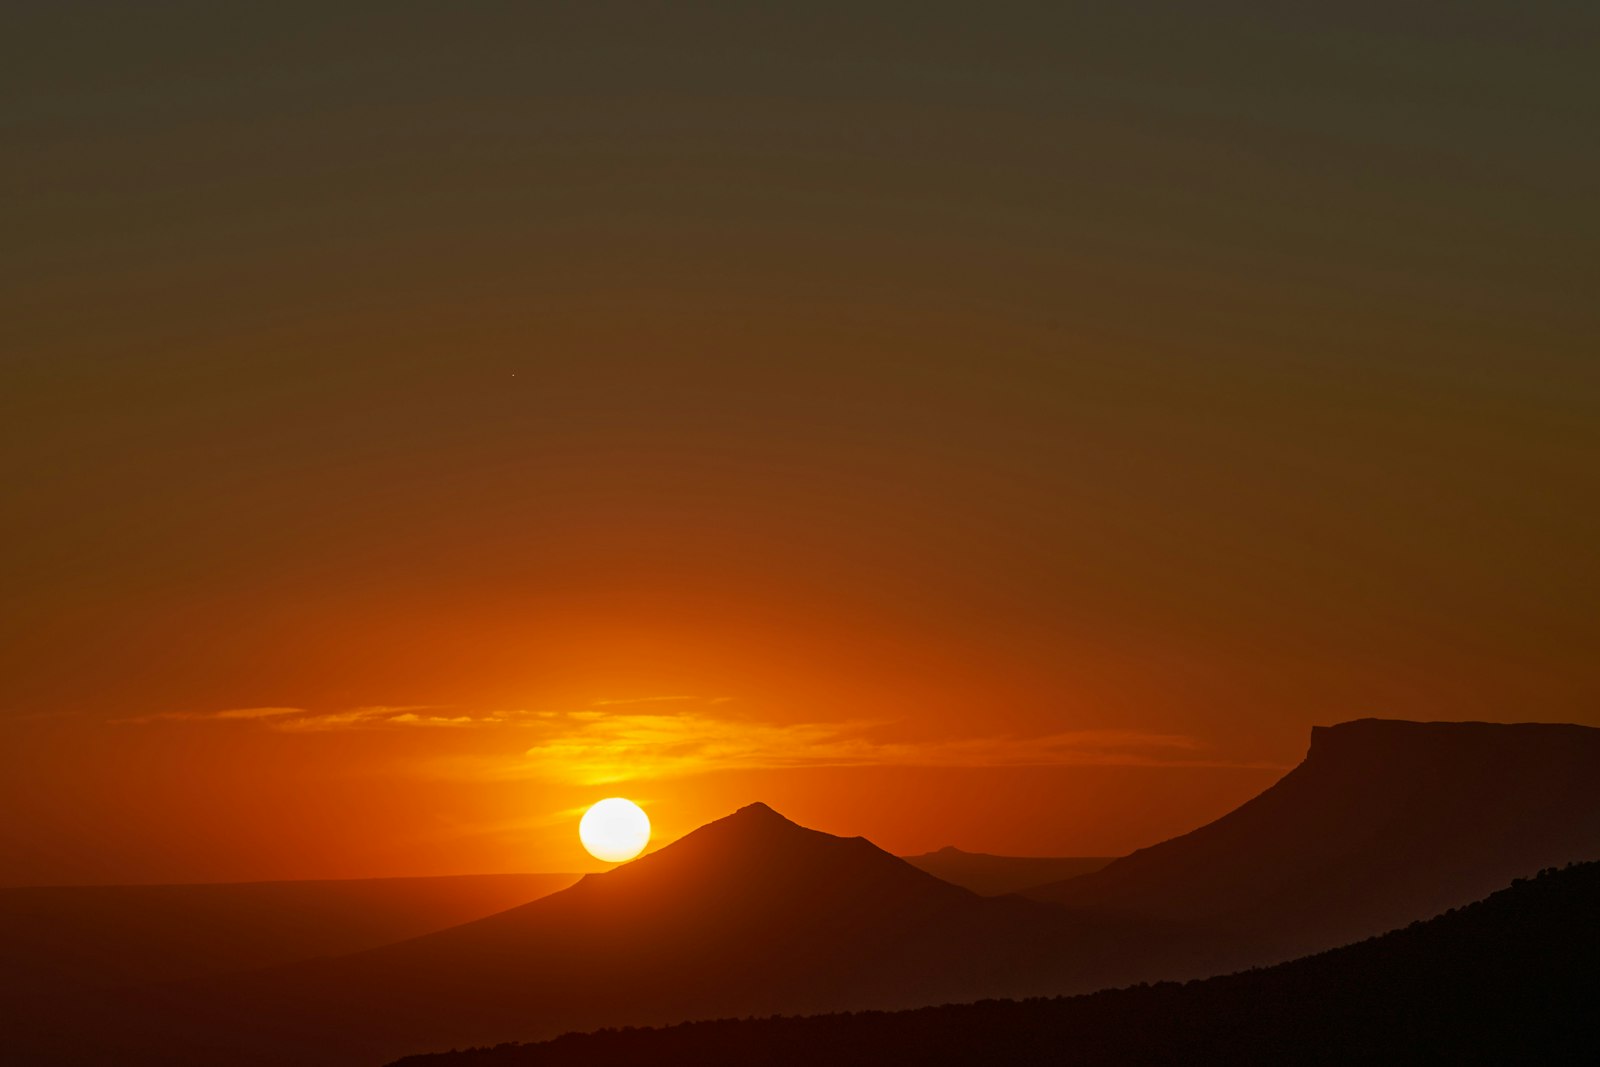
(1508, 979)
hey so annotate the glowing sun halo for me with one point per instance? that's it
(614, 830)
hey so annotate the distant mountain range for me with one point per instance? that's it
(993, 876)
(75, 938)
(1508, 980)
(1384, 823)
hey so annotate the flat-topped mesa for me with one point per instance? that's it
(1379, 741)
(1384, 822)
(1511, 757)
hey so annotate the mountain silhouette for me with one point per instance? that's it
(1384, 822)
(1508, 980)
(993, 876)
(750, 914)
(74, 938)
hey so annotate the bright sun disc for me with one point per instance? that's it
(614, 830)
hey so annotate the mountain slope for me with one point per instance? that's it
(1507, 980)
(749, 914)
(65, 938)
(993, 876)
(1383, 823)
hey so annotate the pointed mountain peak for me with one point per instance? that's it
(757, 810)
(752, 826)
(757, 850)
(754, 820)
(748, 833)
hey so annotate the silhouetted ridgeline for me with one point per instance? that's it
(748, 915)
(1511, 979)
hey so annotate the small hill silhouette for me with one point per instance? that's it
(1507, 980)
(749, 914)
(1384, 822)
(993, 876)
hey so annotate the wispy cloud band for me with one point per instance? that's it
(610, 741)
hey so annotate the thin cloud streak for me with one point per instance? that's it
(246, 714)
(376, 717)
(304, 720)
(592, 746)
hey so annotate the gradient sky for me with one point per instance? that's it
(1010, 426)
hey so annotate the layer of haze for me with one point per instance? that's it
(1008, 427)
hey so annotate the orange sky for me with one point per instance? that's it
(1010, 435)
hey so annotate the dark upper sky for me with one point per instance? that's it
(1200, 369)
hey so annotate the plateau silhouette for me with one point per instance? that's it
(1384, 822)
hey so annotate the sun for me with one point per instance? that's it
(614, 830)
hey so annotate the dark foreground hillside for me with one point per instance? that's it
(1510, 979)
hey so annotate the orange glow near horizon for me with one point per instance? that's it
(412, 436)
